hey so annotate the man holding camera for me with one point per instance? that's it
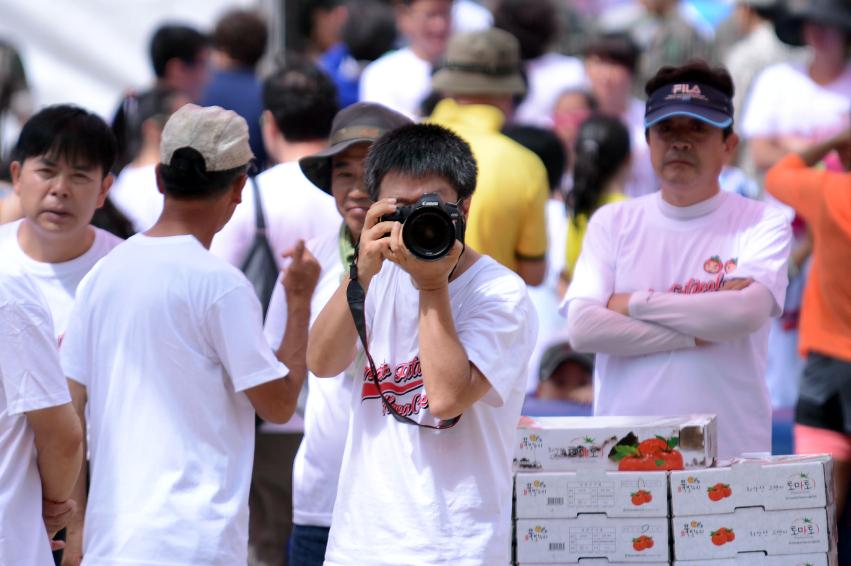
(441, 319)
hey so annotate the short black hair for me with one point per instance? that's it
(302, 98)
(418, 151)
(694, 71)
(175, 41)
(186, 177)
(242, 35)
(533, 22)
(615, 47)
(546, 145)
(307, 13)
(69, 132)
(373, 32)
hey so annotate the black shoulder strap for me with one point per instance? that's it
(357, 298)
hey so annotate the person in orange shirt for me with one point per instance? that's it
(823, 199)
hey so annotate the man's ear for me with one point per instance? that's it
(15, 170)
(465, 206)
(730, 145)
(105, 185)
(160, 184)
(236, 188)
(269, 130)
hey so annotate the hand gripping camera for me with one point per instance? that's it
(429, 226)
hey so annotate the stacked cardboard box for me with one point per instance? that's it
(777, 511)
(594, 490)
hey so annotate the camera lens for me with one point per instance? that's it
(429, 233)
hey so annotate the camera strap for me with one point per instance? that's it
(356, 298)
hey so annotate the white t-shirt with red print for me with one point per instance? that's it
(409, 494)
(646, 244)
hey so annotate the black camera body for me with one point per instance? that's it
(429, 226)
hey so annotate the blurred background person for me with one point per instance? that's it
(758, 47)
(535, 24)
(823, 409)
(400, 80)
(602, 166)
(16, 102)
(135, 192)
(299, 102)
(239, 42)
(321, 23)
(668, 32)
(481, 78)
(548, 147)
(611, 62)
(571, 108)
(791, 105)
(364, 39)
(179, 55)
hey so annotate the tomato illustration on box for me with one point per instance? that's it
(653, 454)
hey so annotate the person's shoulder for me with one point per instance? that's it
(489, 278)
(9, 234)
(390, 61)
(777, 73)
(325, 247)
(106, 241)
(552, 62)
(754, 212)
(284, 189)
(15, 285)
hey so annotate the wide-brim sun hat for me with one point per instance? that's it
(791, 16)
(363, 122)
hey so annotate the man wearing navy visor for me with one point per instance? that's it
(674, 290)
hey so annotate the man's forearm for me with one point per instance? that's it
(333, 338)
(59, 453)
(814, 154)
(292, 351)
(592, 327)
(447, 375)
(715, 317)
(73, 552)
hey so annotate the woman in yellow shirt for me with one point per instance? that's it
(600, 172)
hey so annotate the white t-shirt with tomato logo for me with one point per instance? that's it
(408, 494)
(646, 244)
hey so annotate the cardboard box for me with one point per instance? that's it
(568, 494)
(550, 444)
(797, 531)
(567, 541)
(763, 560)
(605, 562)
(781, 482)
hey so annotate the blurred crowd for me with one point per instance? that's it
(551, 149)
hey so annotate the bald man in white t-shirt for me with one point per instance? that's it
(675, 290)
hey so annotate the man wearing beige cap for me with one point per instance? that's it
(481, 77)
(165, 350)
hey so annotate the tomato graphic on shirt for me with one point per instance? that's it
(731, 265)
(713, 265)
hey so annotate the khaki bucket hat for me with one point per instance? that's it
(481, 63)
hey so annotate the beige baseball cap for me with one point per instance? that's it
(219, 135)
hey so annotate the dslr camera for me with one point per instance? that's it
(429, 226)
